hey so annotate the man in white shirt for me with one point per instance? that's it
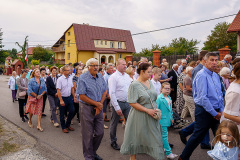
(155, 80)
(118, 83)
(64, 91)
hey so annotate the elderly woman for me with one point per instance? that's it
(36, 90)
(180, 100)
(130, 71)
(232, 98)
(143, 133)
(225, 74)
(164, 76)
(22, 85)
(12, 84)
(78, 72)
(189, 105)
(217, 70)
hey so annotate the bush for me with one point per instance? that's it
(34, 62)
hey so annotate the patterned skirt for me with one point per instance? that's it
(34, 108)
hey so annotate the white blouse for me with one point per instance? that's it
(232, 98)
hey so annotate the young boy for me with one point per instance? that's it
(157, 72)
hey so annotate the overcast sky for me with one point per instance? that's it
(44, 21)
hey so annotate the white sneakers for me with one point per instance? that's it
(172, 156)
(56, 125)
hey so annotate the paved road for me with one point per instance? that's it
(70, 144)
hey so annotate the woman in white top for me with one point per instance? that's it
(232, 98)
(130, 71)
(12, 84)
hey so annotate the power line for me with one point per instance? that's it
(140, 33)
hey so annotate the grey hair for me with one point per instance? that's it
(188, 69)
(109, 65)
(90, 61)
(142, 58)
(224, 71)
(65, 66)
(227, 56)
(184, 60)
(174, 65)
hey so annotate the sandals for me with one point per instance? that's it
(30, 125)
(40, 129)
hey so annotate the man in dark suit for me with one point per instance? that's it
(173, 75)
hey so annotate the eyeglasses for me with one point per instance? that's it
(167, 88)
(94, 65)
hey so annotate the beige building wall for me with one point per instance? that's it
(83, 56)
(70, 48)
(106, 44)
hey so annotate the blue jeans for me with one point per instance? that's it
(203, 122)
(68, 106)
(189, 130)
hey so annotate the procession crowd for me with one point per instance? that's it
(146, 99)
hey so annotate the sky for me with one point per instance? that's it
(45, 21)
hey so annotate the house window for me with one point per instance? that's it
(69, 33)
(105, 42)
(101, 42)
(63, 46)
(96, 42)
(120, 56)
(119, 44)
(111, 44)
(69, 42)
(68, 56)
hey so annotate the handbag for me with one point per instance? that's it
(159, 112)
(23, 93)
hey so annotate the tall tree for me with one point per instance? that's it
(219, 38)
(1, 33)
(3, 54)
(23, 50)
(42, 54)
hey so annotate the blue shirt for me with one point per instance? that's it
(207, 91)
(28, 75)
(33, 86)
(91, 87)
(106, 77)
(196, 70)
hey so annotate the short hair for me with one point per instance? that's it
(26, 67)
(184, 60)
(90, 61)
(143, 67)
(236, 70)
(183, 68)
(156, 70)
(24, 71)
(129, 70)
(209, 54)
(227, 56)
(174, 65)
(120, 59)
(220, 64)
(202, 54)
(75, 64)
(70, 64)
(165, 84)
(109, 64)
(42, 69)
(142, 58)
(65, 66)
(52, 68)
(224, 71)
(232, 128)
(188, 69)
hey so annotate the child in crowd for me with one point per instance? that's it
(226, 142)
(164, 103)
(157, 72)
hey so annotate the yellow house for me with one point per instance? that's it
(82, 41)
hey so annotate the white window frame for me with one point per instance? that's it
(101, 42)
(105, 42)
(119, 44)
(96, 42)
(120, 55)
(111, 44)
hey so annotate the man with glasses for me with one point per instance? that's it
(92, 90)
(64, 90)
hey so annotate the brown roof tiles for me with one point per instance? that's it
(235, 26)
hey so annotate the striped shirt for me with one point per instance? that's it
(91, 87)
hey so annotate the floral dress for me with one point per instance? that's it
(180, 100)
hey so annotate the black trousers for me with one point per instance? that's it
(44, 102)
(21, 103)
(76, 108)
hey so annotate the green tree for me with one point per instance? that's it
(1, 33)
(42, 54)
(35, 62)
(23, 50)
(219, 38)
(3, 56)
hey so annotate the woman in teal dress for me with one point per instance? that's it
(143, 133)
